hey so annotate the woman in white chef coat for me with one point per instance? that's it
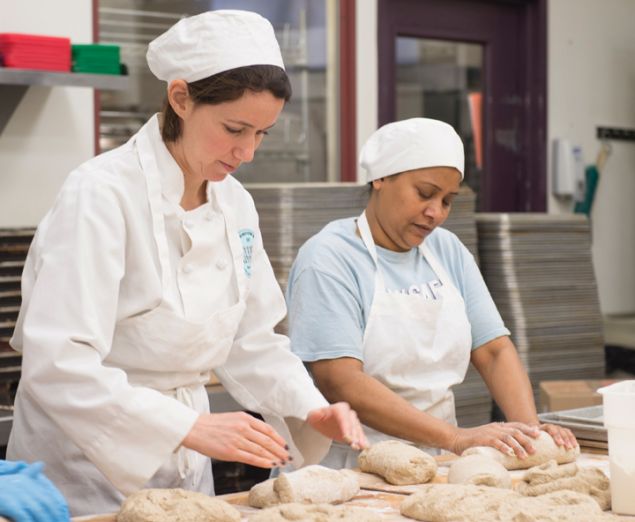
(388, 309)
(149, 272)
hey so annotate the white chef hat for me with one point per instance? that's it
(210, 43)
(411, 144)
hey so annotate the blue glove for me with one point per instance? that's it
(26, 495)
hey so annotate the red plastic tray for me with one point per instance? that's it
(28, 51)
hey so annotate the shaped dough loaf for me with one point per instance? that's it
(312, 485)
(314, 513)
(398, 463)
(168, 505)
(546, 450)
(480, 471)
(463, 503)
(550, 477)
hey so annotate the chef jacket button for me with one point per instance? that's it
(188, 224)
(221, 264)
(209, 215)
(187, 268)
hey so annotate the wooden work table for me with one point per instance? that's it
(380, 497)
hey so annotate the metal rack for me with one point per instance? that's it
(15, 82)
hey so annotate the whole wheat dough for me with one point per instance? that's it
(314, 513)
(550, 477)
(466, 503)
(311, 485)
(480, 471)
(172, 505)
(546, 450)
(398, 463)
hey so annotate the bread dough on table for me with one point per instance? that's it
(312, 485)
(314, 513)
(398, 463)
(550, 477)
(546, 450)
(480, 471)
(466, 503)
(172, 505)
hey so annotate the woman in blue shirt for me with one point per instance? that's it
(389, 309)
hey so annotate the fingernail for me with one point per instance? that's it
(283, 463)
(286, 446)
(274, 464)
(290, 458)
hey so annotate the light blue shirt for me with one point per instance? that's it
(331, 287)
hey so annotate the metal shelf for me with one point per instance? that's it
(15, 82)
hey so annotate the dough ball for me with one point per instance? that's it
(314, 513)
(550, 477)
(480, 471)
(175, 505)
(546, 450)
(398, 463)
(462, 503)
(262, 495)
(312, 485)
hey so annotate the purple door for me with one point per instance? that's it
(481, 66)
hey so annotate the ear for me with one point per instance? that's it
(377, 183)
(179, 97)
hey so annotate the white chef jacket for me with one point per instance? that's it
(95, 263)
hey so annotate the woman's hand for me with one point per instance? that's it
(340, 423)
(561, 436)
(511, 438)
(237, 437)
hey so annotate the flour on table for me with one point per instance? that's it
(170, 505)
(398, 463)
(312, 485)
(314, 513)
(550, 477)
(480, 471)
(466, 503)
(546, 450)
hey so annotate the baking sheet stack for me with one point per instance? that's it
(292, 213)
(539, 270)
(14, 245)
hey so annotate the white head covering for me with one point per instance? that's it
(203, 45)
(411, 144)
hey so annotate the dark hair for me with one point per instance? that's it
(225, 87)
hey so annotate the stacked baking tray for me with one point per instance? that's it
(291, 213)
(14, 245)
(539, 270)
(34, 51)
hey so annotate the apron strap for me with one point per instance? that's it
(367, 238)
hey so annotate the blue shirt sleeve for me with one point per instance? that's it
(481, 310)
(325, 317)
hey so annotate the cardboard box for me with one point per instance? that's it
(567, 395)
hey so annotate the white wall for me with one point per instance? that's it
(51, 131)
(591, 83)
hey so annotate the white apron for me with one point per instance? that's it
(417, 347)
(160, 350)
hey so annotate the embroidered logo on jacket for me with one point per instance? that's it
(246, 236)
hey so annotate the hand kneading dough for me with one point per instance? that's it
(311, 485)
(466, 503)
(314, 513)
(550, 477)
(175, 505)
(398, 463)
(480, 471)
(546, 450)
